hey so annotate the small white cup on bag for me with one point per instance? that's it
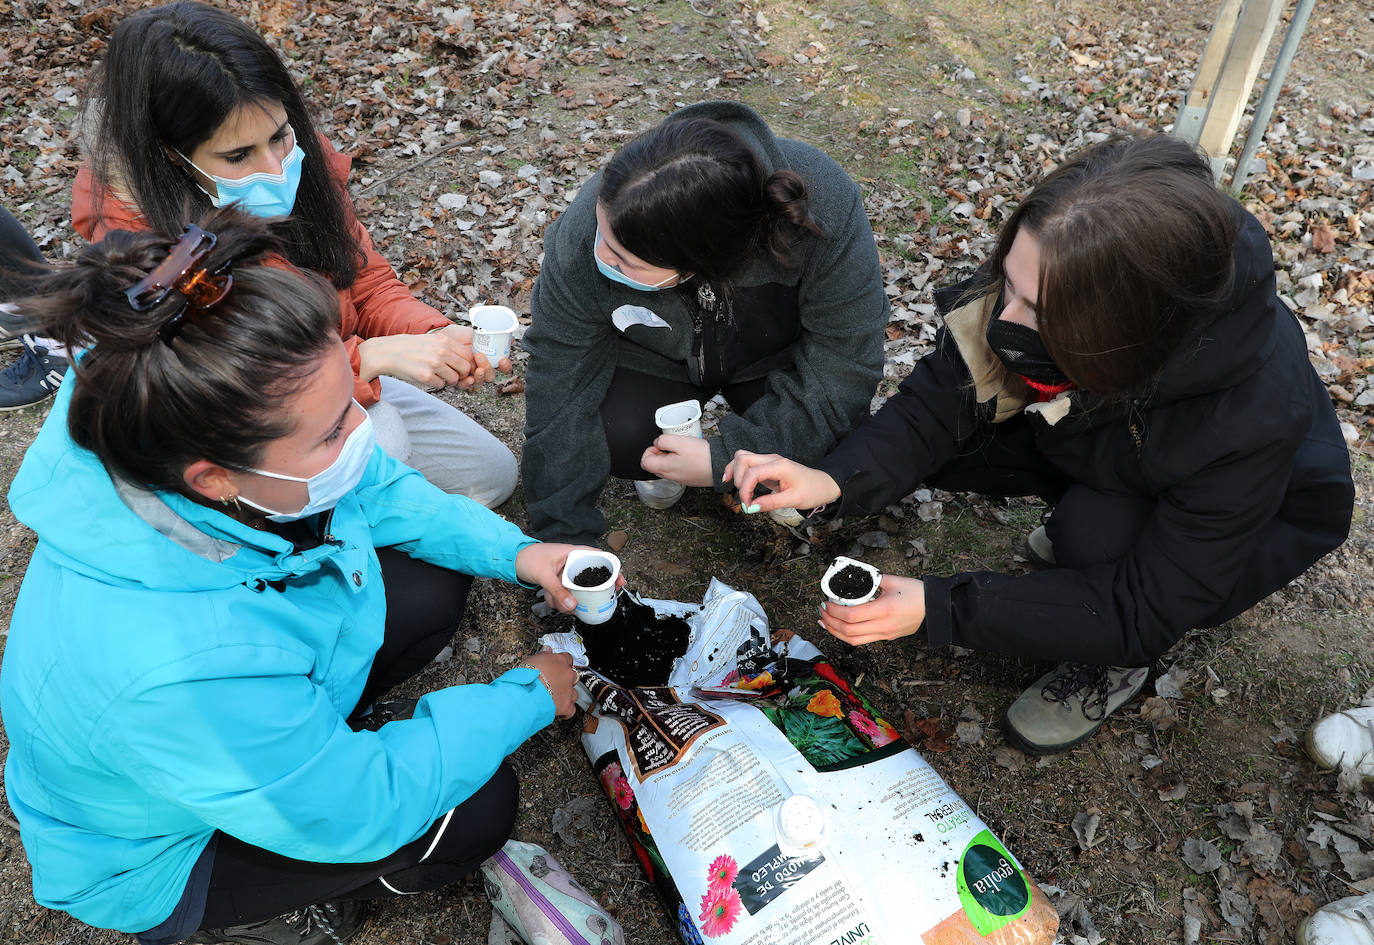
(595, 603)
(682, 418)
(493, 326)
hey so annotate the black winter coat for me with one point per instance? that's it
(1238, 437)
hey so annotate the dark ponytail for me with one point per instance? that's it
(691, 195)
(148, 408)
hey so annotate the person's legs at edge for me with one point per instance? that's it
(42, 363)
(449, 448)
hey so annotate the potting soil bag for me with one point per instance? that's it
(770, 804)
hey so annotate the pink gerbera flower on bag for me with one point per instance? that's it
(720, 909)
(864, 724)
(724, 869)
(624, 794)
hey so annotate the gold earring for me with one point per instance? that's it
(233, 500)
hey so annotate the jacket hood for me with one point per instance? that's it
(745, 122)
(1233, 345)
(121, 534)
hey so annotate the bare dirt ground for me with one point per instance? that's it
(1194, 815)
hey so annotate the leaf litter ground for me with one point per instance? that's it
(1194, 815)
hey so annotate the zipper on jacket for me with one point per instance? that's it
(552, 912)
(1135, 421)
(706, 302)
(326, 521)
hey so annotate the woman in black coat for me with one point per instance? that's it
(1123, 355)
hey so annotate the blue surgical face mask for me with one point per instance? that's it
(329, 485)
(261, 194)
(615, 275)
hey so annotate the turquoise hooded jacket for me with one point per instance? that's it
(157, 687)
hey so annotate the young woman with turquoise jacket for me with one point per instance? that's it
(228, 574)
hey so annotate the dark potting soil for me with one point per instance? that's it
(636, 647)
(592, 577)
(851, 581)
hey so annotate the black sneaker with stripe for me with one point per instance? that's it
(33, 378)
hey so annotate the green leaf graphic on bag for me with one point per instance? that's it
(992, 888)
(821, 740)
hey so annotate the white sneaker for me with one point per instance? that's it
(1345, 740)
(1347, 921)
(659, 493)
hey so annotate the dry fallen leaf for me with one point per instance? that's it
(1323, 238)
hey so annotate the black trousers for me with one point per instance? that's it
(1090, 528)
(19, 257)
(248, 884)
(627, 412)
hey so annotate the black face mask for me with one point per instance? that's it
(1021, 350)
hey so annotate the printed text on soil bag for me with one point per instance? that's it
(658, 728)
(769, 875)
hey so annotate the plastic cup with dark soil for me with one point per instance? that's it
(849, 582)
(591, 576)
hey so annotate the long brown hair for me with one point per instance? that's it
(149, 407)
(1135, 252)
(171, 76)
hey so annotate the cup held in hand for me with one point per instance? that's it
(493, 326)
(851, 582)
(682, 418)
(591, 577)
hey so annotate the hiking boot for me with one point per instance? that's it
(1348, 921)
(11, 326)
(1345, 740)
(324, 923)
(659, 493)
(33, 378)
(1067, 705)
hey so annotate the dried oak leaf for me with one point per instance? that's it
(515, 385)
(1323, 238)
(933, 735)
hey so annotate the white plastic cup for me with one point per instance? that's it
(682, 419)
(801, 826)
(594, 604)
(493, 326)
(839, 565)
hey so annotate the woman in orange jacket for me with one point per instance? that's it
(192, 108)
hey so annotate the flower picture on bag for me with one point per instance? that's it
(827, 721)
(617, 788)
(721, 905)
